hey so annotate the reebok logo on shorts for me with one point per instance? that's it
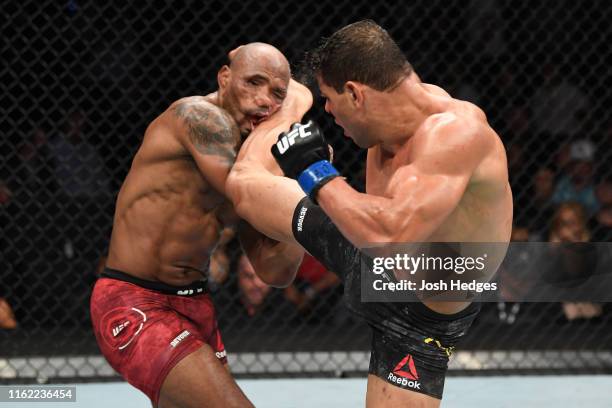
(179, 338)
(405, 374)
(301, 218)
(406, 368)
(221, 354)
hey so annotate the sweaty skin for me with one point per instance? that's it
(172, 208)
(440, 175)
(169, 215)
(446, 181)
(436, 172)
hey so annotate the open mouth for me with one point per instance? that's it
(257, 118)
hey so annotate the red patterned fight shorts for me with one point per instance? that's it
(144, 333)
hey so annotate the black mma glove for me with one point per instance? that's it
(303, 154)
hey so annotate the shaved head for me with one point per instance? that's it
(254, 84)
(258, 53)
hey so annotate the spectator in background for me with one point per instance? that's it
(517, 123)
(34, 173)
(559, 106)
(519, 181)
(543, 186)
(36, 186)
(7, 318)
(539, 211)
(513, 283)
(253, 291)
(84, 185)
(312, 282)
(485, 28)
(310, 289)
(562, 157)
(5, 196)
(577, 185)
(569, 224)
(78, 168)
(602, 230)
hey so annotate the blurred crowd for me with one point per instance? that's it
(57, 198)
(58, 209)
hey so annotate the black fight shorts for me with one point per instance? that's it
(411, 344)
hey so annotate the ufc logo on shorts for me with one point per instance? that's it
(289, 139)
(119, 328)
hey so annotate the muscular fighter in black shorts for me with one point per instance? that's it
(436, 172)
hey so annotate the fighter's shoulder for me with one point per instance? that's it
(192, 108)
(457, 128)
(203, 119)
(196, 100)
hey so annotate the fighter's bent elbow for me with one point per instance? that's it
(279, 269)
(278, 277)
(235, 186)
(281, 280)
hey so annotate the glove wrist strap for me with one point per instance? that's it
(315, 176)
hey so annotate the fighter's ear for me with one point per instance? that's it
(223, 76)
(354, 92)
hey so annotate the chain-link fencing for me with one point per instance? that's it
(81, 80)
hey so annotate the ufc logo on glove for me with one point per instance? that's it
(303, 154)
(289, 139)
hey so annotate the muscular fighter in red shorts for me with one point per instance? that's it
(152, 317)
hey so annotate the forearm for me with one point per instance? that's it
(304, 156)
(256, 187)
(275, 263)
(264, 200)
(364, 218)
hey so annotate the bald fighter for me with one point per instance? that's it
(435, 172)
(153, 318)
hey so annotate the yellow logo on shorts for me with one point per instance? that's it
(448, 350)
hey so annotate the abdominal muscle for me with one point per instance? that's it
(166, 224)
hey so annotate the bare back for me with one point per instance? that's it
(171, 208)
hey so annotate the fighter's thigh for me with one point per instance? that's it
(200, 380)
(264, 200)
(382, 394)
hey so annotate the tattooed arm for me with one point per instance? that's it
(212, 138)
(210, 135)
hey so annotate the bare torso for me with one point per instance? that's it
(168, 217)
(484, 212)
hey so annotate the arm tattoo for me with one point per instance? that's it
(211, 131)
